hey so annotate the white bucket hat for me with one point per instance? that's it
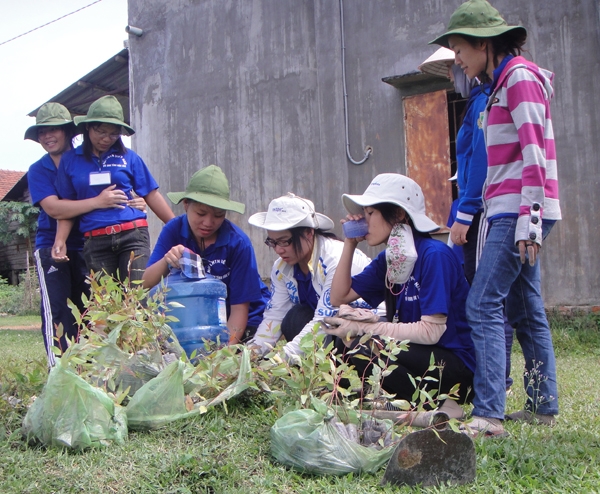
(395, 189)
(290, 211)
(437, 64)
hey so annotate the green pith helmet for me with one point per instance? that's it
(49, 115)
(208, 186)
(104, 110)
(476, 18)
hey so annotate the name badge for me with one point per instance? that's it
(100, 178)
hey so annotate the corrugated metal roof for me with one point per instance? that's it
(112, 77)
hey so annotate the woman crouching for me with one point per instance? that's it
(424, 288)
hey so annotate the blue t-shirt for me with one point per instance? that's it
(306, 290)
(41, 179)
(128, 172)
(230, 259)
(437, 286)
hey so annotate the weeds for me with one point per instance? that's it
(218, 452)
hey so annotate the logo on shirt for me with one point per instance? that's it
(114, 160)
(217, 268)
(52, 269)
(327, 299)
(292, 292)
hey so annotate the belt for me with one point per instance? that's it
(111, 230)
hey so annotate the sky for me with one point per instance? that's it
(39, 65)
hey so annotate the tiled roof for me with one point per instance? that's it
(8, 179)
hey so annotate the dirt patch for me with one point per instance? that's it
(35, 327)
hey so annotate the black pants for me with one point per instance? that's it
(60, 281)
(471, 249)
(295, 320)
(415, 363)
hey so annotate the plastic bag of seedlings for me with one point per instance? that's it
(165, 398)
(123, 370)
(160, 401)
(317, 443)
(72, 413)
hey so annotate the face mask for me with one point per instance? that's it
(400, 255)
(462, 84)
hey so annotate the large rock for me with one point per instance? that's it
(430, 457)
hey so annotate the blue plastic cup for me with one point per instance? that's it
(355, 228)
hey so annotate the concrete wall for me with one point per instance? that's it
(255, 86)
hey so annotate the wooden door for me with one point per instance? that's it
(428, 150)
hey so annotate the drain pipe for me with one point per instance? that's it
(368, 149)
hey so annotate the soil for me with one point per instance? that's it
(34, 327)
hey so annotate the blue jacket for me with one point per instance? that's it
(471, 157)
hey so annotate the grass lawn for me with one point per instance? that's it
(230, 452)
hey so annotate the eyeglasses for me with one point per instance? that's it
(278, 243)
(101, 134)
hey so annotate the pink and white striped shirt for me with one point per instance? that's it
(520, 145)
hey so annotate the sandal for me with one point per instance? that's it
(532, 418)
(484, 427)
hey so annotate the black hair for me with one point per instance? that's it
(508, 43)
(70, 133)
(117, 146)
(299, 233)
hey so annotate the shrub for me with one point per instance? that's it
(22, 299)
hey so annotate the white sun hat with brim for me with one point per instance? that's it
(437, 64)
(290, 211)
(395, 189)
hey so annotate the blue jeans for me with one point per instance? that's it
(112, 253)
(500, 275)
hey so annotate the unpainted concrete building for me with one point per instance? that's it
(257, 87)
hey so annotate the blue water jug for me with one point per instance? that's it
(204, 313)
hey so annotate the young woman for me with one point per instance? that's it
(60, 281)
(521, 199)
(468, 225)
(301, 277)
(101, 161)
(471, 158)
(422, 283)
(226, 250)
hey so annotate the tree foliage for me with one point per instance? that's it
(17, 219)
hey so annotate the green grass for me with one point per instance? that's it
(11, 322)
(229, 452)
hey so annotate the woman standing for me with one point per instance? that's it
(521, 199)
(59, 281)
(468, 225)
(301, 277)
(422, 283)
(101, 161)
(226, 251)
(471, 158)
